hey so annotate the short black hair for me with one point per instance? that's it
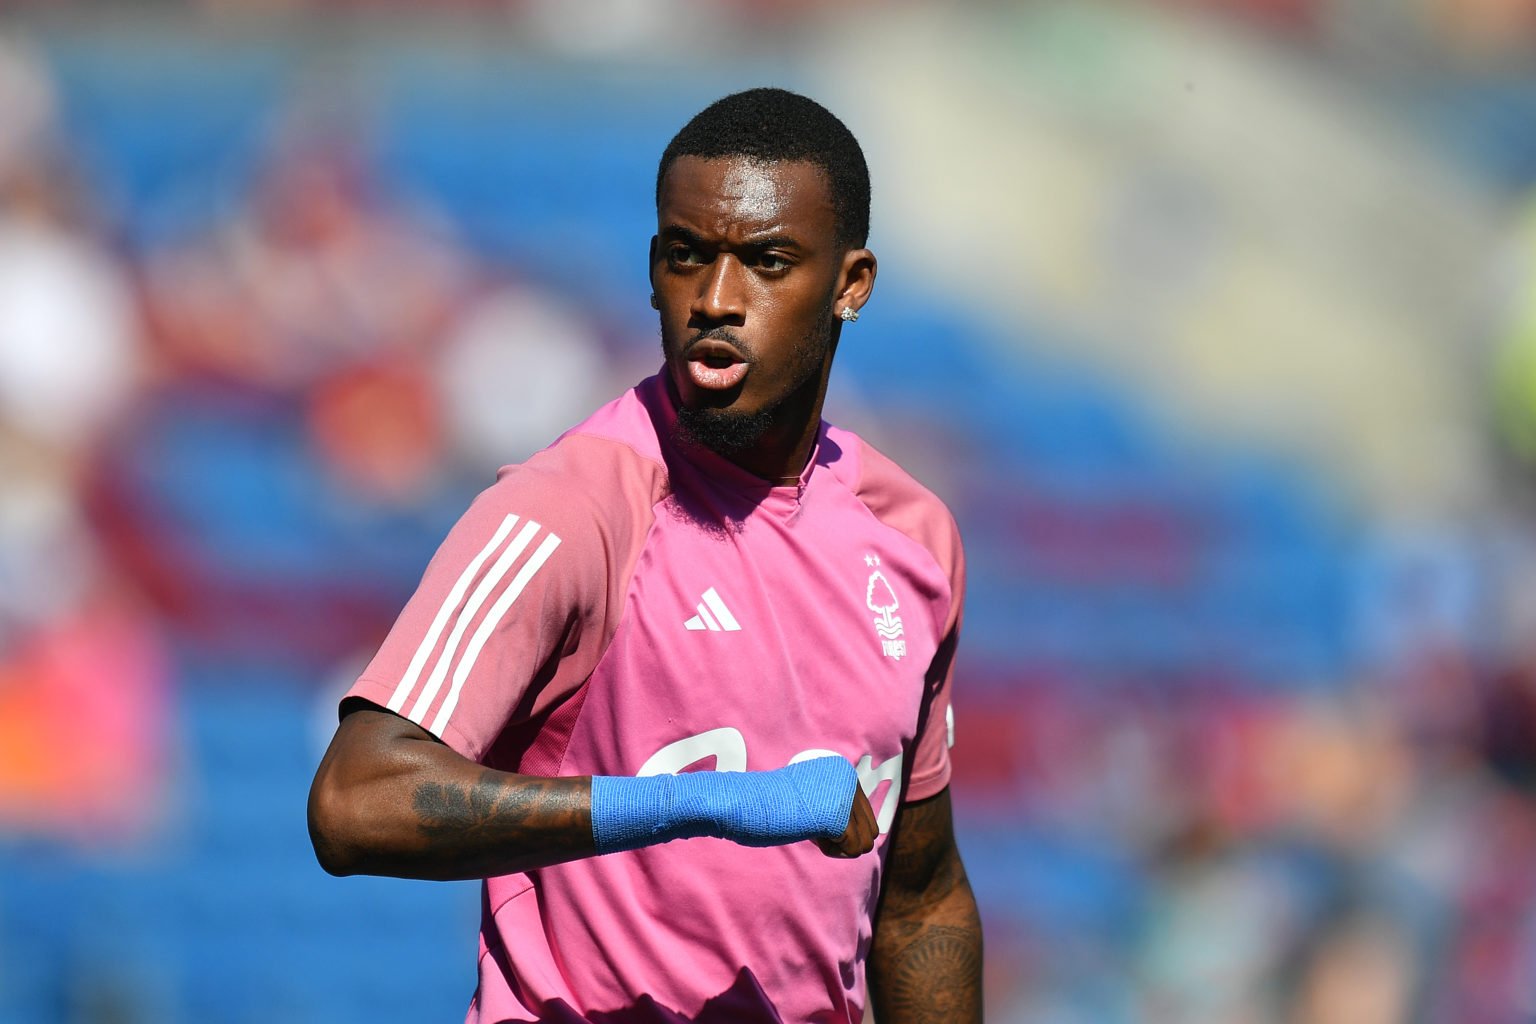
(769, 125)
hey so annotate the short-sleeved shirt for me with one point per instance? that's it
(626, 604)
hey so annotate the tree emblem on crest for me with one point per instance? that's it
(881, 599)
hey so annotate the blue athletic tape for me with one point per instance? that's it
(808, 800)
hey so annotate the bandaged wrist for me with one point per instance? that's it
(808, 800)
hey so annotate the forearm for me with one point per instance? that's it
(424, 811)
(925, 964)
(390, 799)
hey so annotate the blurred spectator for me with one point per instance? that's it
(82, 671)
(69, 336)
(68, 331)
(336, 352)
(315, 275)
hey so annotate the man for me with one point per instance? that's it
(702, 575)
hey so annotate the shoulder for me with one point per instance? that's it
(603, 476)
(895, 498)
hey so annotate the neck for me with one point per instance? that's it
(780, 459)
(780, 455)
(783, 451)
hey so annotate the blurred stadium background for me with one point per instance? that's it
(1215, 322)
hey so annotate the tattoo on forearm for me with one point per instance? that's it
(453, 810)
(927, 957)
(935, 977)
(498, 818)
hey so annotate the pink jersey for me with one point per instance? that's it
(618, 606)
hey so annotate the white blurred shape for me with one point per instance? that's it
(604, 26)
(518, 371)
(68, 342)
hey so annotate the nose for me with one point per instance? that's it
(720, 298)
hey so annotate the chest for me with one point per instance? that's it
(746, 648)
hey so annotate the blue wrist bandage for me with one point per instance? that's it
(808, 800)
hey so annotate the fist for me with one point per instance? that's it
(859, 837)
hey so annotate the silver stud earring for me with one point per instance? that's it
(655, 302)
(849, 315)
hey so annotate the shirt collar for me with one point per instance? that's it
(715, 468)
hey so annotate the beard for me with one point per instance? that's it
(723, 431)
(728, 431)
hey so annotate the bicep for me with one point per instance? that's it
(372, 741)
(372, 757)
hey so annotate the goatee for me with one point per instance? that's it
(724, 431)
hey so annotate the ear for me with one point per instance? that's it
(651, 264)
(857, 280)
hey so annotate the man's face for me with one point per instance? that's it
(746, 268)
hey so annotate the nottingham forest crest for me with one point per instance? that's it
(880, 598)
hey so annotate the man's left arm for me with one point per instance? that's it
(926, 961)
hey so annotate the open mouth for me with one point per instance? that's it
(715, 365)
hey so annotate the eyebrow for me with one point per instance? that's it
(682, 234)
(774, 242)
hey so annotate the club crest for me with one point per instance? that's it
(880, 598)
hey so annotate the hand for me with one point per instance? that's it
(859, 837)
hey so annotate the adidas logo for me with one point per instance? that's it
(713, 615)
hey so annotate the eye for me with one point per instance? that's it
(680, 255)
(773, 262)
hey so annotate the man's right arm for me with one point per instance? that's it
(389, 798)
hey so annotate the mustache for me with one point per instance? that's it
(724, 334)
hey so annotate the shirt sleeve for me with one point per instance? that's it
(936, 726)
(508, 618)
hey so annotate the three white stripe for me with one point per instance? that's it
(465, 616)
